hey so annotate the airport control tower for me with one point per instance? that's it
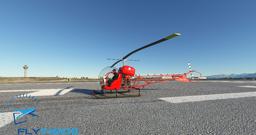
(25, 67)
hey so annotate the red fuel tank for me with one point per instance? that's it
(128, 70)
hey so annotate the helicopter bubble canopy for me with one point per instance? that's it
(105, 74)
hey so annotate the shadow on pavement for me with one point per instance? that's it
(86, 91)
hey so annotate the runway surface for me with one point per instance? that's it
(205, 107)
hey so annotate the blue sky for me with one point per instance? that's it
(75, 37)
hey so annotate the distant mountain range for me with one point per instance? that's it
(233, 76)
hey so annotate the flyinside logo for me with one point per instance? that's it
(23, 109)
(48, 131)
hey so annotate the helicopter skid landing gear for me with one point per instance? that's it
(116, 93)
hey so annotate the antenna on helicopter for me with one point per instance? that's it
(146, 46)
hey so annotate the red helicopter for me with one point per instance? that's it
(122, 81)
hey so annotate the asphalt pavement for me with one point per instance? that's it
(143, 115)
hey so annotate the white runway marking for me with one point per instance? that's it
(10, 91)
(198, 98)
(42, 92)
(50, 92)
(247, 86)
(6, 118)
(226, 81)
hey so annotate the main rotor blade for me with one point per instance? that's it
(146, 46)
(125, 59)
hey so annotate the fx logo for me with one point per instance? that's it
(17, 115)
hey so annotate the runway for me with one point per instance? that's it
(205, 107)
